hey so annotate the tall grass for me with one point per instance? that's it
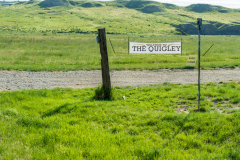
(155, 122)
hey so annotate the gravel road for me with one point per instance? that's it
(16, 80)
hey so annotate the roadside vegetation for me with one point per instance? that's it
(156, 122)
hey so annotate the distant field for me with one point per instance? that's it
(56, 52)
(152, 123)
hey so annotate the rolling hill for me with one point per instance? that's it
(119, 17)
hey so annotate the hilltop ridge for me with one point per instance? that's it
(52, 3)
(119, 17)
(203, 8)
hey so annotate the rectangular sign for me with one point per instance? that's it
(155, 48)
(191, 60)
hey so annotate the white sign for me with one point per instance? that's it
(155, 48)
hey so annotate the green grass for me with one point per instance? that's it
(155, 122)
(64, 52)
(37, 38)
(120, 17)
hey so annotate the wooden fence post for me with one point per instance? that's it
(104, 63)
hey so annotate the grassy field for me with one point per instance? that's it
(36, 37)
(155, 122)
(119, 17)
(55, 52)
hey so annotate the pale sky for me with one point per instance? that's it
(225, 3)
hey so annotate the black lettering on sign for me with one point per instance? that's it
(165, 48)
(160, 48)
(150, 48)
(139, 48)
(169, 48)
(178, 47)
(144, 48)
(173, 48)
(134, 47)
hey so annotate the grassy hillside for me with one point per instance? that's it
(155, 122)
(120, 17)
(203, 8)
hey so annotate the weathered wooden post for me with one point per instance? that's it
(104, 63)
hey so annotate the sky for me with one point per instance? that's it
(225, 3)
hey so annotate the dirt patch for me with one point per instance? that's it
(182, 109)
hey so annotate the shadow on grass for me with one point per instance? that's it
(63, 109)
(100, 94)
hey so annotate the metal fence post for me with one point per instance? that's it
(181, 46)
(199, 23)
(128, 45)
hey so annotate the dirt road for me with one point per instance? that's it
(14, 80)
